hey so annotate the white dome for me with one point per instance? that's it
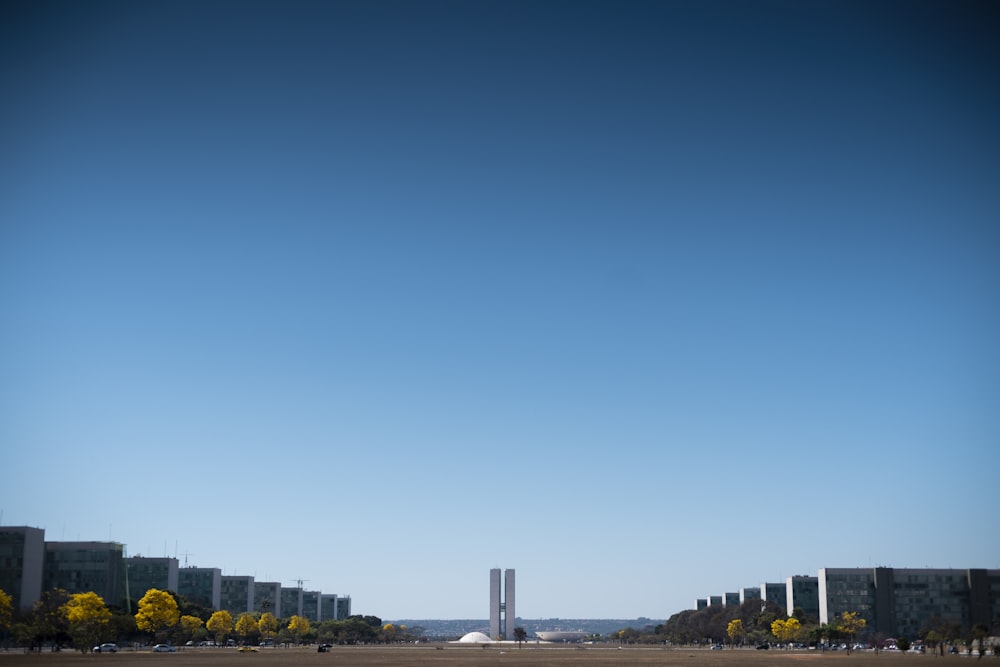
(475, 638)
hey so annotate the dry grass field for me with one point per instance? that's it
(461, 656)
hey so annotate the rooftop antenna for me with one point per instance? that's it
(299, 581)
(186, 554)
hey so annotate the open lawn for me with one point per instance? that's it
(527, 656)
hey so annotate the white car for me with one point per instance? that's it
(164, 648)
(106, 648)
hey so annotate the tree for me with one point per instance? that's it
(785, 631)
(298, 626)
(220, 625)
(6, 610)
(520, 635)
(157, 612)
(388, 633)
(735, 631)
(850, 624)
(190, 625)
(246, 625)
(87, 617)
(268, 625)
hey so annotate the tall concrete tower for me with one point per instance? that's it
(502, 611)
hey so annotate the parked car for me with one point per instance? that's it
(716, 647)
(763, 646)
(164, 648)
(106, 648)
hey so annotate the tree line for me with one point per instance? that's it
(84, 620)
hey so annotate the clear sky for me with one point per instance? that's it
(646, 300)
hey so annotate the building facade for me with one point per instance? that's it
(267, 597)
(82, 567)
(201, 585)
(904, 602)
(310, 605)
(236, 594)
(22, 558)
(146, 573)
(291, 602)
(775, 594)
(802, 594)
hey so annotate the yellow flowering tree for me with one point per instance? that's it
(220, 625)
(785, 631)
(298, 626)
(191, 625)
(850, 624)
(268, 625)
(6, 610)
(246, 624)
(157, 612)
(87, 617)
(735, 631)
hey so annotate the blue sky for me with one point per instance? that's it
(648, 300)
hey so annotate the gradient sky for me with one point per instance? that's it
(646, 300)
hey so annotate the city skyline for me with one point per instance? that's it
(650, 299)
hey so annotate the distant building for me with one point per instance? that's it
(752, 593)
(22, 557)
(731, 599)
(236, 594)
(83, 567)
(701, 603)
(267, 597)
(146, 573)
(201, 585)
(310, 605)
(775, 593)
(502, 613)
(714, 600)
(291, 602)
(803, 593)
(901, 602)
(343, 607)
(328, 607)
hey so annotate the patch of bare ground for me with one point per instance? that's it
(467, 656)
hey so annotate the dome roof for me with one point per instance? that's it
(475, 638)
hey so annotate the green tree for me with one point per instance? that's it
(388, 633)
(246, 625)
(220, 625)
(157, 612)
(850, 624)
(46, 620)
(87, 617)
(268, 625)
(298, 626)
(519, 635)
(735, 631)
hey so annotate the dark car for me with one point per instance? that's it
(763, 647)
